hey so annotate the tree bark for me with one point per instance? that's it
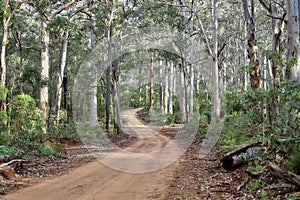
(161, 98)
(45, 66)
(215, 69)
(93, 100)
(151, 87)
(182, 93)
(171, 87)
(293, 72)
(115, 92)
(166, 89)
(5, 22)
(252, 46)
(61, 74)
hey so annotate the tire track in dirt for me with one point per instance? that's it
(95, 181)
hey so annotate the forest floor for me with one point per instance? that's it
(78, 175)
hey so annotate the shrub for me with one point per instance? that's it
(26, 125)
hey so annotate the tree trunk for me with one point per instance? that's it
(151, 87)
(45, 66)
(61, 75)
(166, 89)
(67, 94)
(293, 72)
(171, 87)
(161, 98)
(4, 42)
(115, 92)
(191, 100)
(19, 43)
(252, 46)
(215, 70)
(93, 100)
(182, 93)
(108, 84)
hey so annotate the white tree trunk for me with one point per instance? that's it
(115, 93)
(45, 66)
(4, 42)
(191, 100)
(151, 93)
(61, 74)
(166, 89)
(93, 100)
(161, 105)
(215, 69)
(171, 87)
(182, 94)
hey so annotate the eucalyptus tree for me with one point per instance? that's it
(47, 12)
(250, 20)
(8, 9)
(215, 68)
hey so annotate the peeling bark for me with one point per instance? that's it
(252, 46)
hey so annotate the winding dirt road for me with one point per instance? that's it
(95, 181)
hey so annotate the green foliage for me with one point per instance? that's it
(236, 130)
(255, 168)
(61, 127)
(293, 160)
(3, 93)
(254, 185)
(11, 152)
(26, 126)
(46, 149)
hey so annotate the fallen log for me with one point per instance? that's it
(284, 174)
(236, 158)
(7, 171)
(13, 162)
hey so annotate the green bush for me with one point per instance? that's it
(236, 130)
(46, 149)
(26, 125)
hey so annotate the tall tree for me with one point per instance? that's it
(47, 14)
(215, 69)
(7, 14)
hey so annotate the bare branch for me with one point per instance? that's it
(64, 7)
(266, 6)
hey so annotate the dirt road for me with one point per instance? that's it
(95, 181)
